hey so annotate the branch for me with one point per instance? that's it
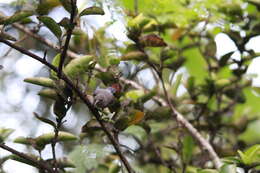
(42, 40)
(69, 33)
(204, 144)
(81, 95)
(40, 164)
(74, 55)
(180, 118)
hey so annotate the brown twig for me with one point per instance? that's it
(74, 55)
(204, 144)
(69, 33)
(40, 164)
(81, 95)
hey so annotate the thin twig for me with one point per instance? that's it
(53, 144)
(74, 55)
(69, 33)
(40, 164)
(81, 95)
(136, 7)
(178, 116)
(42, 39)
(193, 131)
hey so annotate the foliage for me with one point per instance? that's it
(172, 41)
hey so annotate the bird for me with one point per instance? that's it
(103, 97)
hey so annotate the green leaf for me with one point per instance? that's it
(250, 107)
(224, 59)
(25, 161)
(49, 93)
(114, 168)
(44, 7)
(25, 140)
(78, 66)
(208, 171)
(65, 22)
(136, 131)
(252, 133)
(18, 16)
(195, 63)
(160, 113)
(42, 81)
(174, 64)
(187, 150)
(92, 11)
(257, 90)
(4, 133)
(251, 155)
(231, 160)
(87, 157)
(55, 62)
(51, 25)
(114, 61)
(106, 77)
(48, 137)
(138, 22)
(67, 5)
(144, 98)
(176, 85)
(45, 120)
(134, 94)
(228, 169)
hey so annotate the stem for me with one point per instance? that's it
(53, 144)
(81, 95)
(204, 144)
(136, 6)
(69, 33)
(40, 164)
(74, 55)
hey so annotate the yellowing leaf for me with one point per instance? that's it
(152, 40)
(135, 55)
(177, 34)
(136, 117)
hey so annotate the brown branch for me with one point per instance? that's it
(40, 164)
(204, 144)
(81, 95)
(74, 55)
(180, 118)
(42, 40)
(69, 33)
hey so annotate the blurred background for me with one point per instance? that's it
(18, 100)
